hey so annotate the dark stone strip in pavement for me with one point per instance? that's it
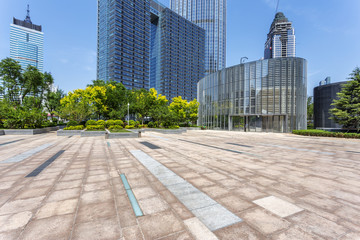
(45, 164)
(3, 144)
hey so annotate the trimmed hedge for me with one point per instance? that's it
(90, 122)
(72, 123)
(322, 133)
(78, 127)
(115, 127)
(95, 127)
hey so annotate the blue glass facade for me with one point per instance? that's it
(261, 96)
(27, 43)
(124, 42)
(211, 16)
(144, 44)
(177, 54)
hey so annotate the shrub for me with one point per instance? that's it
(72, 123)
(129, 126)
(95, 127)
(173, 127)
(203, 127)
(90, 122)
(150, 124)
(322, 133)
(132, 122)
(78, 127)
(115, 127)
(100, 122)
(110, 123)
(119, 122)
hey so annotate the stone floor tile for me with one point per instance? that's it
(20, 205)
(198, 229)
(14, 221)
(351, 236)
(96, 197)
(295, 233)
(97, 186)
(215, 191)
(183, 235)
(201, 182)
(33, 192)
(143, 192)
(234, 203)
(153, 205)
(64, 194)
(263, 221)
(57, 227)
(69, 177)
(133, 232)
(102, 229)
(181, 211)
(160, 225)
(278, 206)
(57, 208)
(315, 224)
(249, 192)
(238, 231)
(97, 178)
(68, 184)
(94, 212)
(127, 216)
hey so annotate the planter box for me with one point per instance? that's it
(2, 132)
(62, 132)
(167, 131)
(92, 133)
(132, 134)
(29, 131)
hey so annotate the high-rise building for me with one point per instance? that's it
(210, 15)
(143, 44)
(27, 43)
(177, 53)
(280, 39)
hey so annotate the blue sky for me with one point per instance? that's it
(327, 35)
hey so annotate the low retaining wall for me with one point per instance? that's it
(92, 133)
(62, 132)
(29, 131)
(167, 131)
(131, 134)
(2, 132)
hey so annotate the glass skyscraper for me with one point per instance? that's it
(27, 43)
(177, 53)
(280, 39)
(143, 44)
(210, 15)
(124, 42)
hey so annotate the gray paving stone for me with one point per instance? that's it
(278, 206)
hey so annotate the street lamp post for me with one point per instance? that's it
(128, 114)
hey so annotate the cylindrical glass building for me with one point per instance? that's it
(261, 96)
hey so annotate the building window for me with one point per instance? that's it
(27, 37)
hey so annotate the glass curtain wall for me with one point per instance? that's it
(265, 95)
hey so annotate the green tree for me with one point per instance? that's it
(76, 106)
(10, 72)
(346, 109)
(192, 111)
(52, 101)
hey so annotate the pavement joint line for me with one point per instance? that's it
(39, 169)
(22, 156)
(199, 203)
(131, 196)
(6, 143)
(297, 149)
(220, 148)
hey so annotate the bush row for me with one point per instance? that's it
(77, 127)
(95, 127)
(322, 133)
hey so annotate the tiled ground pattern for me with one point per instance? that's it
(80, 195)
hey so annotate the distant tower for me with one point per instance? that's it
(211, 16)
(280, 39)
(27, 43)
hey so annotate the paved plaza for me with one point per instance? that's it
(195, 185)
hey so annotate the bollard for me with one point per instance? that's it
(139, 134)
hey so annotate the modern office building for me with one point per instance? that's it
(324, 95)
(210, 15)
(143, 44)
(27, 43)
(263, 96)
(280, 39)
(177, 53)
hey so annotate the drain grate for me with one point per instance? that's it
(3, 144)
(150, 145)
(45, 164)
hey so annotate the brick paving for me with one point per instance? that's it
(281, 186)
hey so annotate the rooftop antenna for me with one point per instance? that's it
(277, 6)
(27, 19)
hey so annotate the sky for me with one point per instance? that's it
(327, 35)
